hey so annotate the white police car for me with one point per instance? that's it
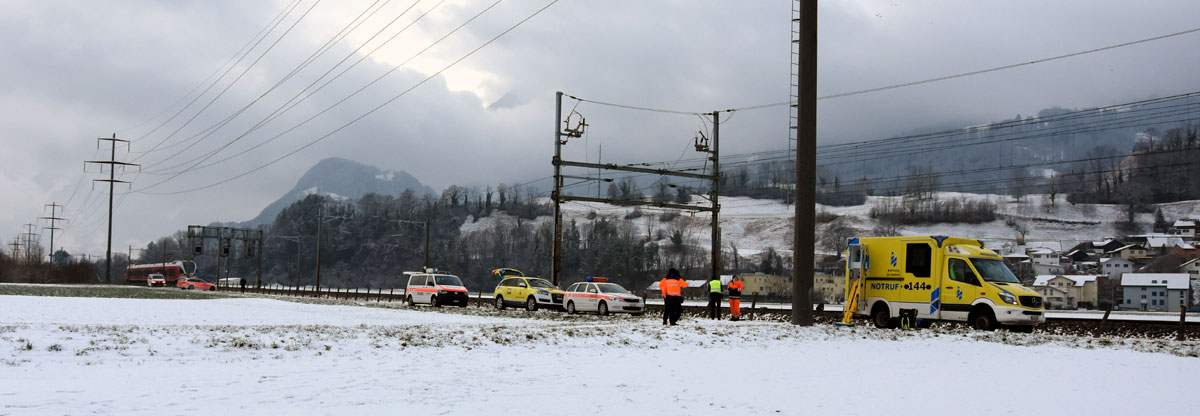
(599, 295)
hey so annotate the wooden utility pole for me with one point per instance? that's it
(806, 162)
(112, 181)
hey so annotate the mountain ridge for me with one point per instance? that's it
(342, 179)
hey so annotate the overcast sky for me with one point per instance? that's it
(73, 71)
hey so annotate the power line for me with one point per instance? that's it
(1004, 67)
(293, 102)
(373, 110)
(238, 78)
(901, 85)
(231, 62)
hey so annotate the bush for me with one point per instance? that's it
(912, 211)
(825, 217)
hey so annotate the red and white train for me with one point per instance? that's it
(171, 271)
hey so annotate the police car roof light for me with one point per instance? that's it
(598, 279)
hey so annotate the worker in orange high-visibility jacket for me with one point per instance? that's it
(735, 298)
(672, 292)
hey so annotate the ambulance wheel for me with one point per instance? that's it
(570, 307)
(531, 304)
(602, 309)
(409, 301)
(882, 317)
(462, 304)
(983, 320)
(433, 300)
(499, 302)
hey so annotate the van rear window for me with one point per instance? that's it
(917, 259)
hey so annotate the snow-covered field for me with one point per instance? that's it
(754, 225)
(255, 356)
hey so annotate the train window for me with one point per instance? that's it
(918, 259)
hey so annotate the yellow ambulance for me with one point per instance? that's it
(917, 280)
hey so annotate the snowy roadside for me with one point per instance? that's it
(75, 355)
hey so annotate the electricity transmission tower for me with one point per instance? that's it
(112, 164)
(53, 218)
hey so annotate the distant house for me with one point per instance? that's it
(1080, 256)
(766, 285)
(829, 289)
(1045, 261)
(1157, 244)
(1192, 268)
(1186, 228)
(1068, 291)
(1096, 248)
(1159, 292)
(1114, 267)
(1131, 252)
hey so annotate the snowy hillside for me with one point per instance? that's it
(262, 356)
(754, 225)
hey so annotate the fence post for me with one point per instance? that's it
(1104, 320)
(1182, 320)
(754, 306)
(391, 293)
(356, 293)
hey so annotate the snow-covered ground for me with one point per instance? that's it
(255, 356)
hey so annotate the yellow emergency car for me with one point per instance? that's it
(516, 289)
(922, 279)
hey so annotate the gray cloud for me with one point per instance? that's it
(76, 71)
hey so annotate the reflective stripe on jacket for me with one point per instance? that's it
(672, 287)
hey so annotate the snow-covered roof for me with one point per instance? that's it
(1079, 279)
(1041, 250)
(1015, 255)
(1102, 243)
(1170, 280)
(1051, 245)
(1166, 242)
(1189, 263)
(1114, 260)
(1125, 247)
(1185, 224)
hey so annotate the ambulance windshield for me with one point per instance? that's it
(994, 271)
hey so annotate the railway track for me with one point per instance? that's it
(1081, 326)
